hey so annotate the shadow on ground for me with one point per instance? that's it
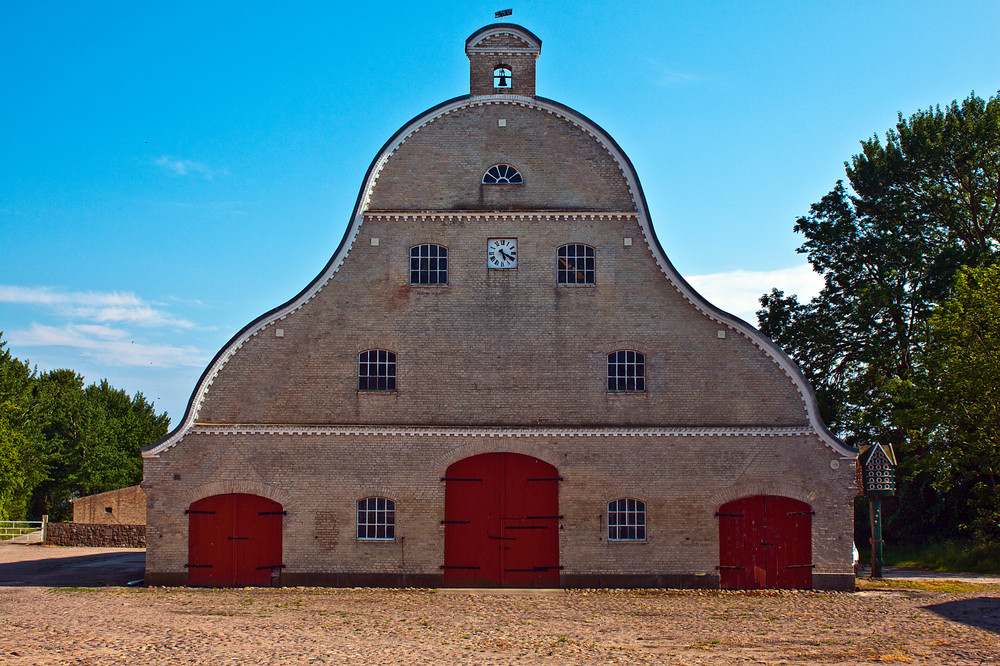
(980, 612)
(95, 570)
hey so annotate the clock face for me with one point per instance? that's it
(501, 253)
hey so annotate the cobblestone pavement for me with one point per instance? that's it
(911, 621)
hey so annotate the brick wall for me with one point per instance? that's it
(501, 347)
(126, 506)
(319, 477)
(441, 166)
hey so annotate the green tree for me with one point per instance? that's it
(117, 429)
(61, 414)
(21, 440)
(917, 206)
(956, 399)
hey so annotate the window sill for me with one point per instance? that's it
(627, 541)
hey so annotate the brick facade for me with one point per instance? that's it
(500, 361)
(125, 506)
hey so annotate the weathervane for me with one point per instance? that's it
(503, 12)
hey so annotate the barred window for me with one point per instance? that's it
(575, 264)
(502, 174)
(428, 264)
(626, 372)
(376, 519)
(626, 520)
(377, 370)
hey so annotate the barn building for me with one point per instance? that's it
(499, 379)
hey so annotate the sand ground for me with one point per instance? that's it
(916, 619)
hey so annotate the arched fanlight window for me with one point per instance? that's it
(501, 77)
(502, 174)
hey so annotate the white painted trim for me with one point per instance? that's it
(500, 431)
(683, 288)
(472, 216)
(509, 432)
(534, 46)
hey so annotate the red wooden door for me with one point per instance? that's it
(233, 541)
(765, 541)
(501, 522)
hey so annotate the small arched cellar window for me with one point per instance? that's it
(502, 174)
(501, 77)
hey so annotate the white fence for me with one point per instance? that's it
(23, 531)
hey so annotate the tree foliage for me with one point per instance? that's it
(21, 442)
(917, 206)
(955, 417)
(60, 440)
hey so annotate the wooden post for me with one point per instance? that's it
(875, 511)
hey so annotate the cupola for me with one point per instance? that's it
(502, 60)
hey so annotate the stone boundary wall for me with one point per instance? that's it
(99, 536)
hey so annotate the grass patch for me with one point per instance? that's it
(946, 586)
(956, 556)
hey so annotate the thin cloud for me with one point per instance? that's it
(666, 77)
(108, 346)
(738, 292)
(102, 307)
(182, 167)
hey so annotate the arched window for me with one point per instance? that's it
(502, 174)
(377, 370)
(376, 519)
(501, 77)
(626, 371)
(575, 264)
(626, 520)
(428, 264)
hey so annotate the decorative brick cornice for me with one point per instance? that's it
(531, 44)
(466, 432)
(518, 216)
(500, 431)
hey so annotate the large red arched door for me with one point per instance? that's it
(501, 522)
(234, 541)
(765, 541)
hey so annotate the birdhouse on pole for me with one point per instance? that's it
(877, 478)
(877, 470)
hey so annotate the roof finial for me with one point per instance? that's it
(503, 12)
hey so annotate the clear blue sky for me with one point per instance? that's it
(169, 171)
